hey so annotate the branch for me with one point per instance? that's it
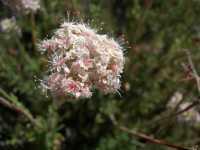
(186, 108)
(146, 137)
(195, 103)
(193, 70)
(6, 103)
(33, 26)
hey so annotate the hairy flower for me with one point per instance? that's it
(81, 60)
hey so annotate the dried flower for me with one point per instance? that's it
(80, 60)
(175, 100)
(190, 116)
(23, 6)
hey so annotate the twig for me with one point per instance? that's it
(18, 110)
(187, 108)
(180, 111)
(194, 72)
(33, 26)
(9, 105)
(146, 137)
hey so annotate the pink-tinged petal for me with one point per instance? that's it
(84, 60)
(66, 70)
(76, 66)
(60, 62)
(114, 68)
(88, 62)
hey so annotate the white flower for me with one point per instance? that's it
(9, 25)
(32, 5)
(82, 60)
(175, 100)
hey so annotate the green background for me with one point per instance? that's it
(156, 34)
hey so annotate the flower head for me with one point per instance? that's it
(31, 5)
(80, 60)
(9, 25)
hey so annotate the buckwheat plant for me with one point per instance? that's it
(82, 60)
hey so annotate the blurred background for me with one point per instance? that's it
(156, 83)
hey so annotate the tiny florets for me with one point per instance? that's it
(80, 60)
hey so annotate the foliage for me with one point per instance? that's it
(158, 33)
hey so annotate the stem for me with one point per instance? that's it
(151, 139)
(33, 29)
(193, 69)
(186, 108)
(195, 103)
(28, 115)
(146, 137)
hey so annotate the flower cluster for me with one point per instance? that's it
(9, 25)
(80, 60)
(23, 6)
(31, 5)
